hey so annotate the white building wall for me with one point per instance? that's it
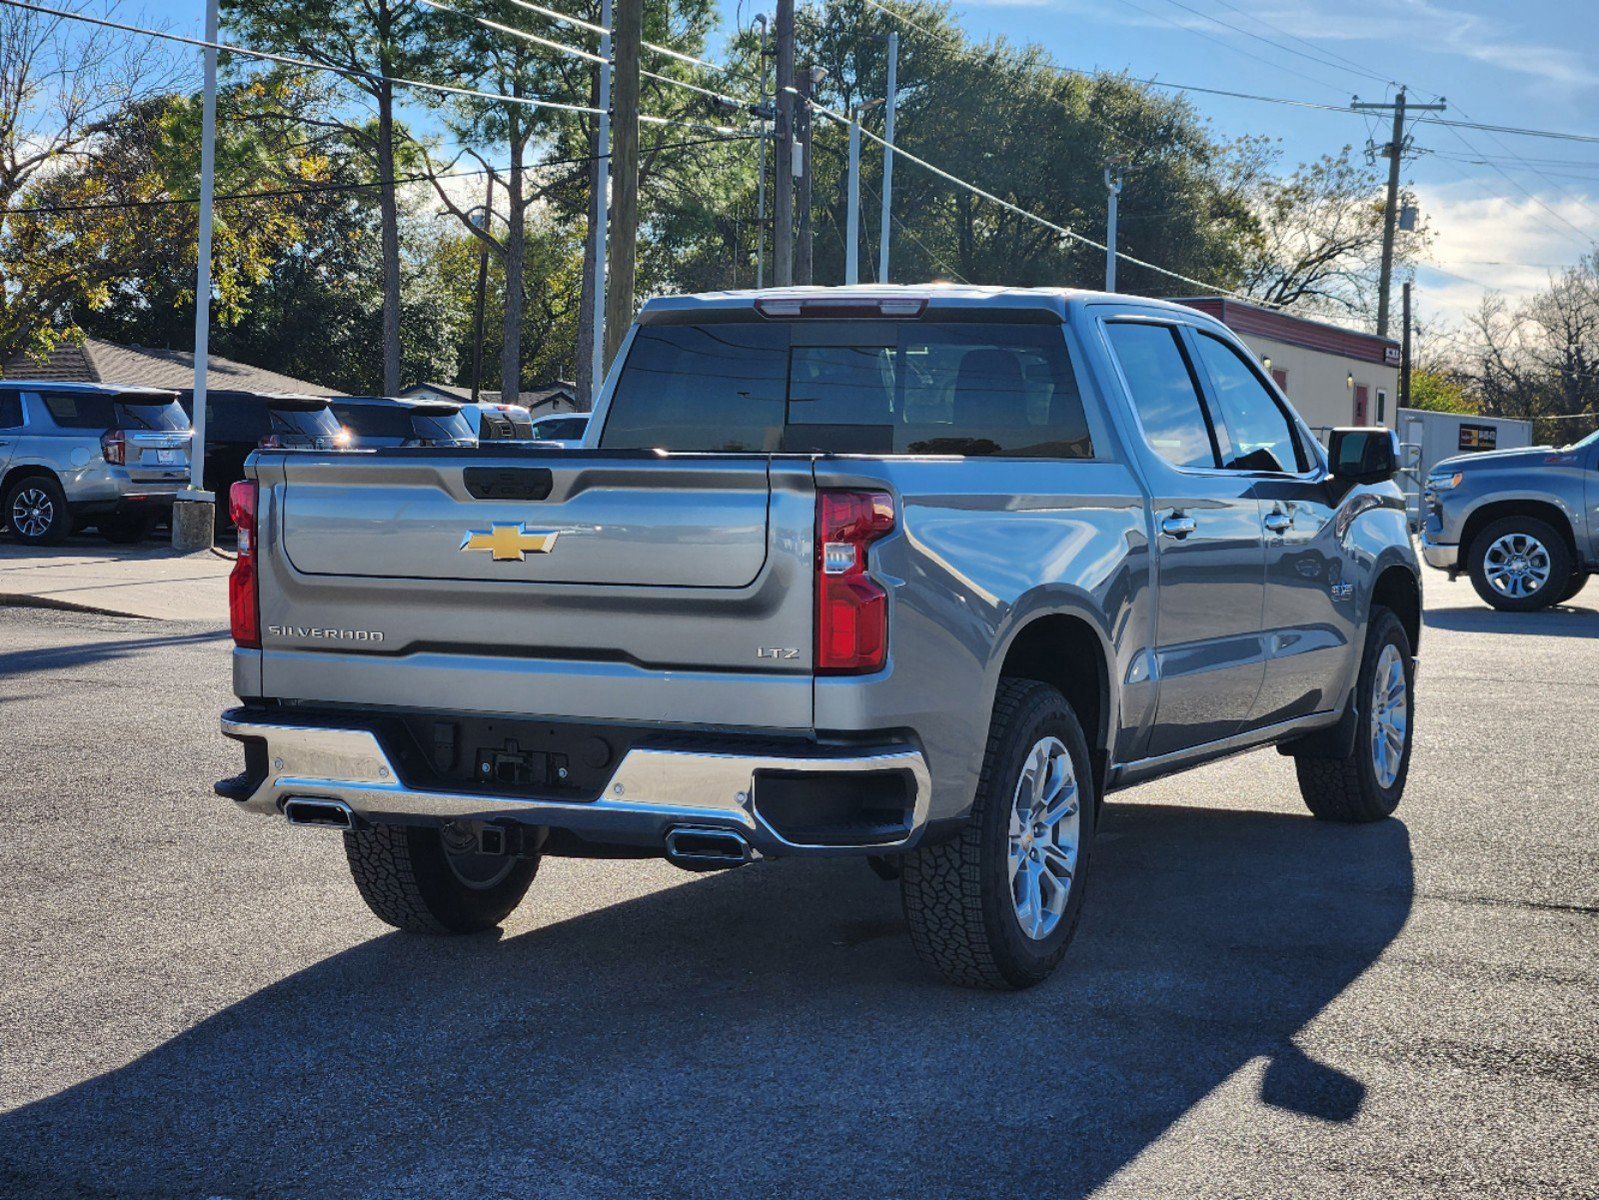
(1318, 383)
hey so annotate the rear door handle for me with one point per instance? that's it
(1278, 522)
(1178, 525)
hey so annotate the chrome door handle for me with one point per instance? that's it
(1278, 522)
(1178, 526)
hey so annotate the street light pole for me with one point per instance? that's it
(194, 514)
(852, 217)
(890, 98)
(760, 178)
(600, 214)
(1113, 189)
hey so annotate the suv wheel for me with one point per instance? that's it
(1579, 580)
(36, 510)
(1520, 564)
(428, 880)
(997, 906)
(1365, 785)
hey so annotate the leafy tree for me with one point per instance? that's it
(375, 41)
(1436, 391)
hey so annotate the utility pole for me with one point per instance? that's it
(629, 33)
(486, 225)
(890, 98)
(599, 209)
(760, 178)
(1404, 353)
(803, 129)
(1113, 189)
(193, 513)
(783, 228)
(1394, 151)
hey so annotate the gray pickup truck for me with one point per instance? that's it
(918, 575)
(1524, 524)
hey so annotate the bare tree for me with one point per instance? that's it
(1318, 239)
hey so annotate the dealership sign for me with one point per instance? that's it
(1479, 437)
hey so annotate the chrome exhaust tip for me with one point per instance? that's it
(699, 848)
(327, 814)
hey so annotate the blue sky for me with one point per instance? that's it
(1506, 210)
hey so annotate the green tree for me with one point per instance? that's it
(1438, 392)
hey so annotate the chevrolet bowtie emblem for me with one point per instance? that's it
(509, 543)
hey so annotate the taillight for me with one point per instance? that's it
(851, 609)
(114, 445)
(244, 596)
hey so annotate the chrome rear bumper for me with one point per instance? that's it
(652, 790)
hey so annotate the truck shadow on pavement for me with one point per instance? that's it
(1559, 621)
(766, 1031)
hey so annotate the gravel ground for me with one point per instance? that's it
(195, 1003)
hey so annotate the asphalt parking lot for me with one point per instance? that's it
(195, 1003)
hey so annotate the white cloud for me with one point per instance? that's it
(1508, 244)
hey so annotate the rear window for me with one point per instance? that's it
(876, 387)
(316, 422)
(379, 420)
(92, 410)
(442, 426)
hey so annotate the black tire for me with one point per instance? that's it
(957, 894)
(42, 499)
(1579, 580)
(124, 529)
(1556, 551)
(1348, 789)
(406, 878)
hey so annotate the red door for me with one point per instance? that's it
(1360, 404)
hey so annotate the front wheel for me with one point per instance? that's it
(1520, 564)
(1365, 784)
(997, 906)
(428, 880)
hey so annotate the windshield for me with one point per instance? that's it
(563, 427)
(1587, 441)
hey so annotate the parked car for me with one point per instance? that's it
(494, 422)
(237, 423)
(914, 576)
(564, 430)
(74, 455)
(376, 421)
(1519, 522)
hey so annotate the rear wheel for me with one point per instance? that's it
(431, 880)
(36, 510)
(1520, 564)
(1366, 784)
(1579, 580)
(997, 906)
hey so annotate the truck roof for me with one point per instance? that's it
(937, 295)
(149, 395)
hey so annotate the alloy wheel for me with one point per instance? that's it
(1516, 565)
(1044, 831)
(1390, 714)
(32, 512)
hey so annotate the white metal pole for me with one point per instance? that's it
(1113, 189)
(202, 283)
(760, 185)
(601, 204)
(888, 157)
(852, 234)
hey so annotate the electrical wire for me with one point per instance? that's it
(312, 189)
(1034, 217)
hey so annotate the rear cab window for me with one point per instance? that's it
(864, 386)
(1165, 393)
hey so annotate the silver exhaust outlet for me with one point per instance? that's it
(328, 814)
(699, 848)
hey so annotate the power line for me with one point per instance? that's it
(1034, 217)
(311, 189)
(1223, 43)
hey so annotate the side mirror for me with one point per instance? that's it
(1363, 455)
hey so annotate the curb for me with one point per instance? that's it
(8, 600)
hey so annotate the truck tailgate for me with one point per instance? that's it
(563, 584)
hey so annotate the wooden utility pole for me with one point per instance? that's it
(783, 202)
(1394, 151)
(624, 176)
